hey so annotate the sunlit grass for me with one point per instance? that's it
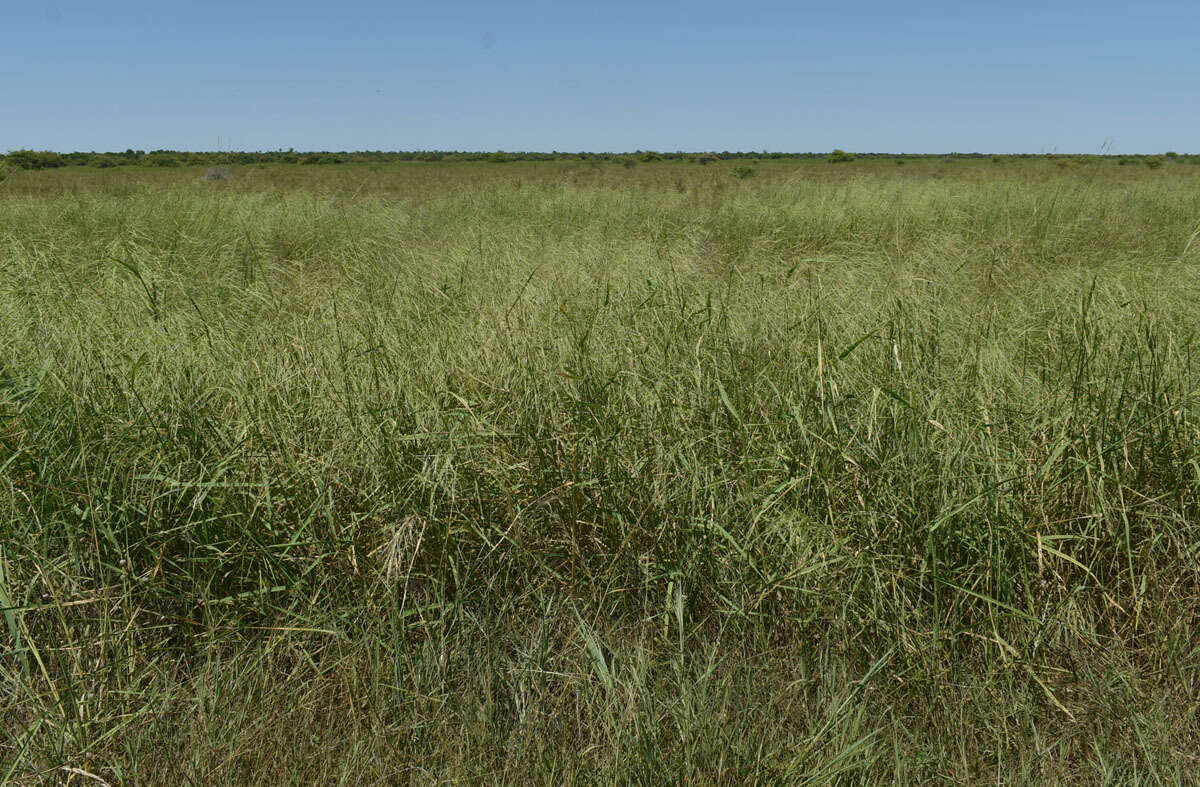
(573, 473)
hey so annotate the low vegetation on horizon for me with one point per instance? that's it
(44, 159)
(582, 470)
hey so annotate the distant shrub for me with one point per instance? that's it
(499, 157)
(1125, 162)
(997, 159)
(706, 158)
(743, 172)
(627, 162)
(160, 160)
(35, 159)
(900, 162)
(1171, 155)
(1153, 162)
(839, 156)
(322, 158)
(649, 155)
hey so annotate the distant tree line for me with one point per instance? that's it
(43, 159)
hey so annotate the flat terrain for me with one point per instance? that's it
(574, 472)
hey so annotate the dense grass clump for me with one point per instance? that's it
(565, 472)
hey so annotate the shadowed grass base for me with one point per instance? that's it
(566, 473)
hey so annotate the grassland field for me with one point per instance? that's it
(574, 472)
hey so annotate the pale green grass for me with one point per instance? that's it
(567, 473)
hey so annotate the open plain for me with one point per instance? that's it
(578, 471)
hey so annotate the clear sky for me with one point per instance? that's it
(864, 75)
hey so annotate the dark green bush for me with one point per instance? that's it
(35, 159)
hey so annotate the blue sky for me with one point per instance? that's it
(921, 76)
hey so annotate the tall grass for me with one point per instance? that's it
(573, 473)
